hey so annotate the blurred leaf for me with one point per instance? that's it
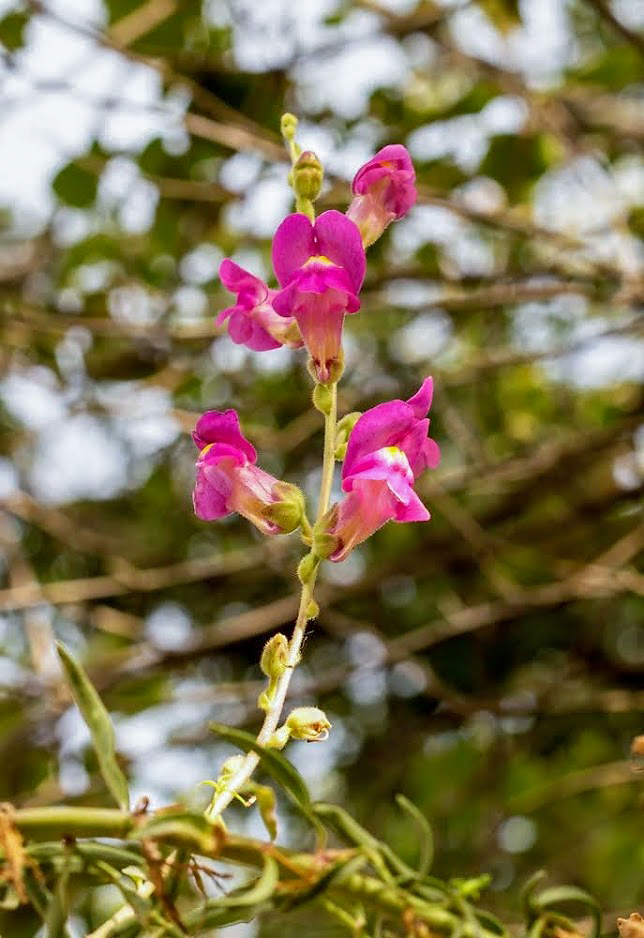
(76, 186)
(100, 726)
(12, 30)
(426, 838)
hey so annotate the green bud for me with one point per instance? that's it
(343, 432)
(307, 176)
(288, 126)
(308, 723)
(274, 660)
(307, 568)
(322, 398)
(312, 611)
(324, 543)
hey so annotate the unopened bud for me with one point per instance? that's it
(322, 398)
(288, 126)
(274, 660)
(312, 611)
(343, 432)
(307, 176)
(324, 543)
(307, 567)
(308, 723)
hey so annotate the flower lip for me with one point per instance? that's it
(333, 237)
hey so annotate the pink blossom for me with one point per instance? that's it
(387, 450)
(227, 478)
(253, 321)
(320, 268)
(384, 189)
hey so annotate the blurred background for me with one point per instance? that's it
(489, 664)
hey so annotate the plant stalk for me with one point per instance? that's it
(273, 715)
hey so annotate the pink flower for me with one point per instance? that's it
(228, 479)
(253, 321)
(387, 450)
(384, 189)
(320, 268)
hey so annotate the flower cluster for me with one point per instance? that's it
(320, 266)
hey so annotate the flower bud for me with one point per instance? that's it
(343, 432)
(288, 125)
(325, 543)
(307, 176)
(274, 660)
(308, 723)
(307, 567)
(322, 398)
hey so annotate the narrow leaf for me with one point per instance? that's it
(100, 726)
(558, 895)
(426, 839)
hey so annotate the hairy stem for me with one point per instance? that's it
(273, 715)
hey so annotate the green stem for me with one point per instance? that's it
(328, 463)
(273, 714)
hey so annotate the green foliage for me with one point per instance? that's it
(99, 724)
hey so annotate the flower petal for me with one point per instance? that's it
(413, 510)
(422, 399)
(338, 239)
(216, 426)
(293, 245)
(238, 280)
(209, 500)
(383, 425)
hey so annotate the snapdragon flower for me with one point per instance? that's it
(384, 189)
(229, 480)
(387, 450)
(320, 267)
(252, 321)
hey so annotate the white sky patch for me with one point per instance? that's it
(78, 458)
(51, 108)
(358, 71)
(33, 398)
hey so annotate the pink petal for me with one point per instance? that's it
(238, 280)
(224, 315)
(383, 425)
(338, 239)
(240, 327)
(422, 399)
(414, 510)
(209, 501)
(216, 426)
(431, 453)
(293, 245)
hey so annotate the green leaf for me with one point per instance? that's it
(426, 839)
(12, 30)
(272, 760)
(239, 906)
(100, 726)
(75, 186)
(558, 895)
